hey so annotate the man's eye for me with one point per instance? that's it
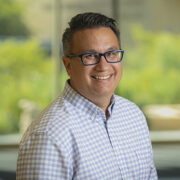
(91, 56)
(111, 54)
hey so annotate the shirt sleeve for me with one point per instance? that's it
(42, 159)
(153, 174)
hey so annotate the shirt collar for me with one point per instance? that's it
(83, 104)
(110, 108)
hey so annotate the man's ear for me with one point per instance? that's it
(67, 64)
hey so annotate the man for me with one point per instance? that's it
(88, 133)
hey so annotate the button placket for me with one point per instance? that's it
(120, 161)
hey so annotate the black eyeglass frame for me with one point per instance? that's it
(99, 55)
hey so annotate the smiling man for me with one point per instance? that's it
(95, 76)
(89, 132)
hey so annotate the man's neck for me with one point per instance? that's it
(102, 102)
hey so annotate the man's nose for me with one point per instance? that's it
(103, 64)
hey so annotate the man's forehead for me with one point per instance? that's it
(89, 30)
(94, 40)
(94, 34)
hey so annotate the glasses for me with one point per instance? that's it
(88, 59)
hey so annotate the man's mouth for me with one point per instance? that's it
(102, 77)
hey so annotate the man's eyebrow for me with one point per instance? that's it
(94, 51)
(112, 48)
(90, 51)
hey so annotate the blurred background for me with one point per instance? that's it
(32, 75)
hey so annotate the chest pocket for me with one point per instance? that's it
(132, 163)
(144, 165)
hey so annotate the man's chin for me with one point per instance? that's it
(102, 93)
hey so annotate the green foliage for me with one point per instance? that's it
(152, 69)
(25, 73)
(11, 22)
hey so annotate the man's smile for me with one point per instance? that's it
(102, 77)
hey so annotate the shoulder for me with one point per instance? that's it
(126, 105)
(53, 122)
(129, 114)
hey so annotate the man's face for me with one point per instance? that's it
(85, 79)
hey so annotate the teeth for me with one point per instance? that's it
(102, 77)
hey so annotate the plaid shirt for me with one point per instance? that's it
(72, 139)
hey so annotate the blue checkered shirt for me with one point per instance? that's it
(72, 139)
